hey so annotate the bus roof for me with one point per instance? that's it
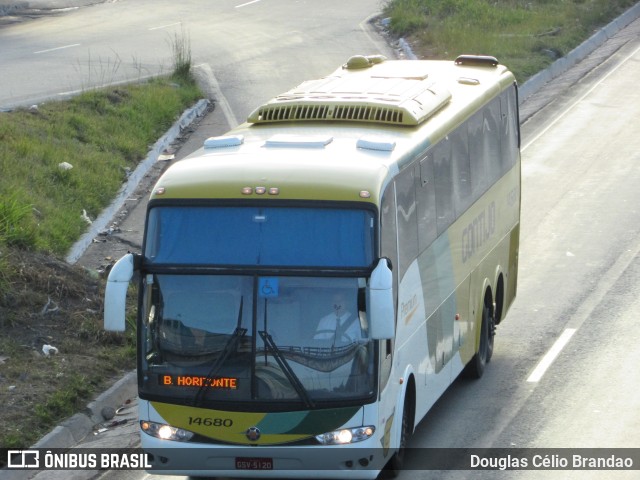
(341, 137)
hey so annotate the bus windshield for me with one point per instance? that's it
(212, 339)
(259, 236)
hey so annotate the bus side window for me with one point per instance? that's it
(463, 197)
(492, 130)
(407, 219)
(426, 193)
(480, 179)
(509, 130)
(443, 185)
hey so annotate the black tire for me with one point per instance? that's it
(396, 463)
(476, 366)
(491, 333)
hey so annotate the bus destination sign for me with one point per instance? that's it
(198, 381)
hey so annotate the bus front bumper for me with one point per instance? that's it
(264, 462)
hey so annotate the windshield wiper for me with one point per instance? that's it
(229, 346)
(286, 368)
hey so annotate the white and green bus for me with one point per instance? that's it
(312, 282)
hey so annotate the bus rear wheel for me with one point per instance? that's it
(475, 368)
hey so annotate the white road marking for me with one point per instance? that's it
(165, 26)
(57, 48)
(551, 355)
(245, 4)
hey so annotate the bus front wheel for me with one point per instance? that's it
(396, 463)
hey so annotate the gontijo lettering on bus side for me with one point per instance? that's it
(478, 231)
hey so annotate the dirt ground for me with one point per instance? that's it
(54, 353)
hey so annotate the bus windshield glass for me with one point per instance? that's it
(258, 236)
(212, 339)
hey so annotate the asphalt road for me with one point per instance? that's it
(250, 49)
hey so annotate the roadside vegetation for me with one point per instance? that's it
(61, 164)
(525, 35)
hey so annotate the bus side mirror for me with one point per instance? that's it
(115, 295)
(380, 309)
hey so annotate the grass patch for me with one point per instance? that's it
(17, 227)
(525, 35)
(64, 402)
(64, 158)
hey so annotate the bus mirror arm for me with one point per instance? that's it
(115, 299)
(381, 305)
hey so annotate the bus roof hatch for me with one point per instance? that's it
(393, 93)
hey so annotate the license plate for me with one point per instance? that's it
(254, 463)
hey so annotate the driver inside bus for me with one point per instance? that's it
(340, 325)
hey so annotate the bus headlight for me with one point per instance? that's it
(165, 432)
(346, 435)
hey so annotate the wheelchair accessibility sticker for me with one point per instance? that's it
(268, 287)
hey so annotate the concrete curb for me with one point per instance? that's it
(406, 49)
(100, 224)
